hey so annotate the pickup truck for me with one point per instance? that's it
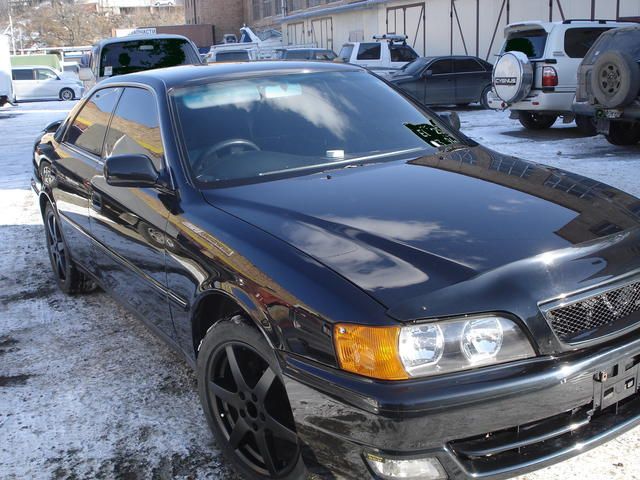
(386, 53)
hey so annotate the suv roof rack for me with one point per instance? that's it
(392, 37)
(599, 20)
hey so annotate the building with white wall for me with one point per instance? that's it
(434, 27)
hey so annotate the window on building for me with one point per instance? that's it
(256, 9)
(278, 7)
(293, 5)
(135, 128)
(369, 51)
(267, 8)
(90, 125)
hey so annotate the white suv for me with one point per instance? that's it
(536, 73)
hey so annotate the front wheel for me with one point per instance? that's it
(68, 277)
(67, 94)
(246, 404)
(536, 121)
(624, 133)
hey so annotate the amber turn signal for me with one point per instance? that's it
(369, 351)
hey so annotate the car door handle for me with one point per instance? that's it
(96, 201)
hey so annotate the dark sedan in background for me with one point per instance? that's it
(360, 288)
(453, 80)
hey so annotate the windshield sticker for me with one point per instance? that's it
(108, 71)
(432, 134)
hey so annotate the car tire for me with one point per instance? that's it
(536, 121)
(615, 79)
(624, 133)
(68, 277)
(484, 98)
(67, 94)
(586, 125)
(245, 402)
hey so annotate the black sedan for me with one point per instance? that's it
(454, 80)
(360, 288)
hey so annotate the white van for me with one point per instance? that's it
(44, 83)
(136, 53)
(6, 84)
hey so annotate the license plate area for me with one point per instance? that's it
(609, 113)
(616, 383)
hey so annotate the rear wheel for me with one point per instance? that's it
(624, 133)
(66, 94)
(586, 125)
(246, 404)
(69, 278)
(484, 98)
(536, 121)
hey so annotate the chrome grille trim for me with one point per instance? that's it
(576, 318)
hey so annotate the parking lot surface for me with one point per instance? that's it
(87, 392)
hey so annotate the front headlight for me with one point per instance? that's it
(395, 353)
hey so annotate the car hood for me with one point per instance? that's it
(402, 229)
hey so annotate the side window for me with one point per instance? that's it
(402, 53)
(23, 74)
(369, 51)
(466, 65)
(578, 41)
(345, 52)
(135, 128)
(44, 74)
(90, 125)
(441, 67)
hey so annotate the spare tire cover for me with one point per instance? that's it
(512, 77)
(615, 79)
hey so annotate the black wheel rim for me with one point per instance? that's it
(250, 406)
(57, 248)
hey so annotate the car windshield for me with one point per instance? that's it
(529, 42)
(259, 128)
(137, 55)
(414, 67)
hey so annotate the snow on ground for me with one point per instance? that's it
(87, 392)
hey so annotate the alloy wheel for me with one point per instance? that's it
(57, 248)
(251, 408)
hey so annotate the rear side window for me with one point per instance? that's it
(345, 52)
(325, 55)
(44, 74)
(232, 56)
(369, 51)
(402, 53)
(22, 74)
(135, 56)
(135, 128)
(578, 41)
(441, 67)
(466, 65)
(298, 55)
(90, 125)
(529, 42)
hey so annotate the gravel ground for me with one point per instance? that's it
(87, 392)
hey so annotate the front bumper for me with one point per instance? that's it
(556, 401)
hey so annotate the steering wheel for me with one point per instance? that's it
(213, 150)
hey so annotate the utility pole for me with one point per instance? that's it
(13, 38)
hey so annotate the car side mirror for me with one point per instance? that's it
(428, 73)
(53, 126)
(85, 74)
(452, 119)
(135, 171)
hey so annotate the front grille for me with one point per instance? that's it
(596, 315)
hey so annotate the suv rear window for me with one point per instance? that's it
(138, 55)
(624, 40)
(578, 41)
(529, 42)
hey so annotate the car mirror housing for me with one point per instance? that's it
(136, 171)
(53, 126)
(452, 119)
(428, 73)
(85, 74)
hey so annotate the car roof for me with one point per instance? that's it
(174, 77)
(133, 38)
(25, 67)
